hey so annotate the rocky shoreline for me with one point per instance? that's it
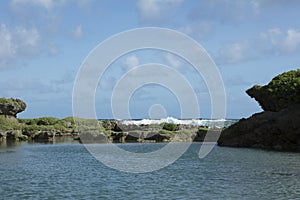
(47, 129)
(100, 133)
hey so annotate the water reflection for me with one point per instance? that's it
(8, 144)
(57, 140)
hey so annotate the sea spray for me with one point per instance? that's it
(172, 120)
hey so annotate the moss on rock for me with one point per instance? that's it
(11, 107)
(276, 128)
(282, 91)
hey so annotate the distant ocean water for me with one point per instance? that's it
(67, 171)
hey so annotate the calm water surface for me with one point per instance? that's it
(67, 171)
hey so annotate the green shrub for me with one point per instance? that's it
(106, 124)
(69, 120)
(7, 123)
(31, 126)
(203, 128)
(47, 121)
(41, 121)
(170, 127)
(166, 132)
(32, 129)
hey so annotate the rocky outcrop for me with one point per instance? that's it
(2, 136)
(12, 135)
(277, 127)
(90, 138)
(211, 136)
(282, 91)
(111, 125)
(159, 137)
(118, 137)
(11, 107)
(43, 136)
(266, 130)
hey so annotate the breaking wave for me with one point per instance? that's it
(194, 122)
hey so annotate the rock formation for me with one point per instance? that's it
(11, 107)
(282, 91)
(278, 126)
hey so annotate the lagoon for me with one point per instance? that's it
(67, 170)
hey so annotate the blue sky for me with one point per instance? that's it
(44, 42)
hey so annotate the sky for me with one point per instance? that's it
(43, 44)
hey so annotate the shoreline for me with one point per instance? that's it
(47, 129)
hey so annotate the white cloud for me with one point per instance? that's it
(156, 10)
(272, 36)
(131, 61)
(280, 42)
(17, 43)
(235, 53)
(53, 49)
(107, 83)
(273, 42)
(47, 4)
(26, 40)
(173, 61)
(198, 30)
(26, 87)
(6, 47)
(77, 32)
(262, 4)
(236, 11)
(224, 11)
(86, 4)
(67, 78)
(19, 5)
(292, 40)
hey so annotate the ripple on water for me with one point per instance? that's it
(68, 171)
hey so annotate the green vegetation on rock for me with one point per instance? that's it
(31, 126)
(89, 130)
(166, 132)
(282, 91)
(10, 106)
(8, 123)
(170, 127)
(8, 101)
(277, 127)
(40, 121)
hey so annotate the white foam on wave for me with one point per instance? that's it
(171, 120)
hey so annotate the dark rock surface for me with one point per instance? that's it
(266, 130)
(12, 135)
(159, 138)
(11, 107)
(118, 137)
(208, 136)
(276, 128)
(43, 136)
(2, 136)
(89, 138)
(111, 125)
